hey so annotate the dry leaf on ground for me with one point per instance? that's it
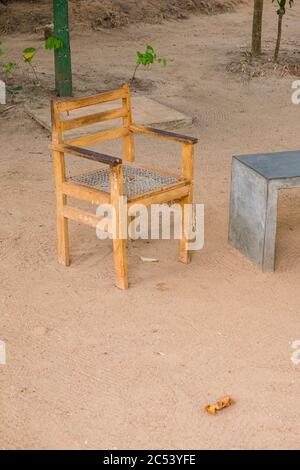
(224, 402)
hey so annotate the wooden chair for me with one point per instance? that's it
(117, 177)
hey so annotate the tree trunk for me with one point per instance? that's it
(280, 17)
(63, 67)
(257, 27)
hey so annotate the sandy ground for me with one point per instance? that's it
(83, 365)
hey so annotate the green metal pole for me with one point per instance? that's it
(63, 66)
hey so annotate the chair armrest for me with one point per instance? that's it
(163, 134)
(85, 153)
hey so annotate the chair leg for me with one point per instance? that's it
(61, 201)
(119, 238)
(62, 235)
(184, 253)
(120, 263)
(130, 219)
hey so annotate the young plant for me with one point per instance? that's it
(51, 43)
(280, 12)
(146, 59)
(28, 55)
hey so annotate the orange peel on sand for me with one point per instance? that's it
(224, 402)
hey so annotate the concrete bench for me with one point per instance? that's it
(256, 180)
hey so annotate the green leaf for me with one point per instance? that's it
(53, 43)
(282, 6)
(29, 53)
(149, 49)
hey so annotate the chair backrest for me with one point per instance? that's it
(74, 113)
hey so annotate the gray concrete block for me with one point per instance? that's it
(256, 180)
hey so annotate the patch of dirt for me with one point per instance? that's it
(25, 16)
(22, 87)
(248, 67)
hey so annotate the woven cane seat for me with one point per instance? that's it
(136, 180)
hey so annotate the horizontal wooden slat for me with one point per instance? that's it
(85, 193)
(82, 217)
(93, 119)
(69, 104)
(166, 194)
(98, 137)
